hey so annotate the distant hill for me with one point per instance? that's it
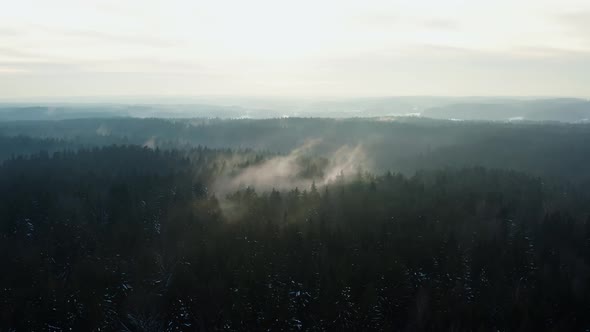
(571, 110)
(563, 110)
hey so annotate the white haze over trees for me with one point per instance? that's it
(284, 172)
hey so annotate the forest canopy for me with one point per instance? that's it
(293, 224)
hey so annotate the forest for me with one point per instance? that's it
(294, 224)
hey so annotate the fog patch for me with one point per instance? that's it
(516, 118)
(150, 143)
(289, 171)
(103, 130)
(344, 161)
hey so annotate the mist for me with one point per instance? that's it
(501, 109)
(311, 166)
(288, 171)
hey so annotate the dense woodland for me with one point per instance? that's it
(119, 225)
(393, 144)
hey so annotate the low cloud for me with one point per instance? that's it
(150, 143)
(103, 130)
(288, 172)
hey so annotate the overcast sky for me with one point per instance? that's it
(294, 48)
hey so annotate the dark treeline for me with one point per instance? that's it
(553, 150)
(134, 239)
(25, 145)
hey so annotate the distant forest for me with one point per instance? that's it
(298, 224)
(398, 144)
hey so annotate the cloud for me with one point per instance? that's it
(134, 39)
(9, 52)
(103, 35)
(280, 172)
(29, 63)
(7, 31)
(150, 143)
(103, 130)
(352, 48)
(576, 24)
(145, 65)
(285, 172)
(378, 19)
(39, 67)
(440, 24)
(550, 52)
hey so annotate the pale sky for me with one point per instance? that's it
(294, 48)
